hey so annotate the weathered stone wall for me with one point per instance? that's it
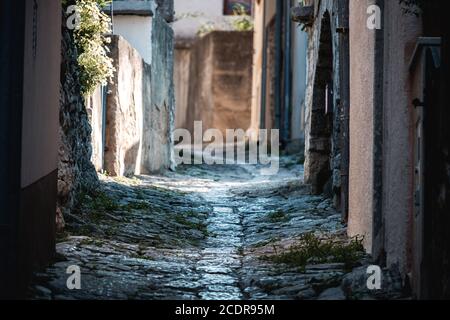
(182, 56)
(158, 151)
(322, 128)
(94, 107)
(75, 170)
(140, 116)
(125, 105)
(221, 81)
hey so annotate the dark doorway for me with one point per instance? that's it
(436, 280)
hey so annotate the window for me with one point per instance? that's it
(229, 6)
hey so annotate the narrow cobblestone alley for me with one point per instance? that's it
(224, 150)
(200, 233)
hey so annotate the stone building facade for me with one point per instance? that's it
(326, 100)
(212, 72)
(133, 117)
(398, 184)
(383, 145)
(219, 94)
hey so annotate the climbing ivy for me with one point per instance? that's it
(91, 37)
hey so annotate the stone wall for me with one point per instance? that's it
(139, 117)
(94, 107)
(322, 126)
(158, 153)
(182, 56)
(75, 170)
(125, 105)
(220, 81)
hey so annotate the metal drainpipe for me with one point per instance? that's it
(287, 73)
(262, 124)
(104, 92)
(278, 63)
(345, 102)
(378, 221)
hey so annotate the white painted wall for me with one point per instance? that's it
(41, 92)
(201, 12)
(207, 7)
(137, 30)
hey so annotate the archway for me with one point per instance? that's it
(318, 157)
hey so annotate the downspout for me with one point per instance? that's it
(378, 223)
(104, 91)
(287, 73)
(278, 63)
(262, 124)
(345, 103)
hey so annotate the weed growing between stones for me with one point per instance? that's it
(278, 216)
(99, 202)
(312, 249)
(192, 225)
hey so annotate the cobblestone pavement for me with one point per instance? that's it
(198, 233)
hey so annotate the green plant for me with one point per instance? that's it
(191, 225)
(98, 202)
(136, 205)
(313, 250)
(278, 216)
(91, 39)
(242, 22)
